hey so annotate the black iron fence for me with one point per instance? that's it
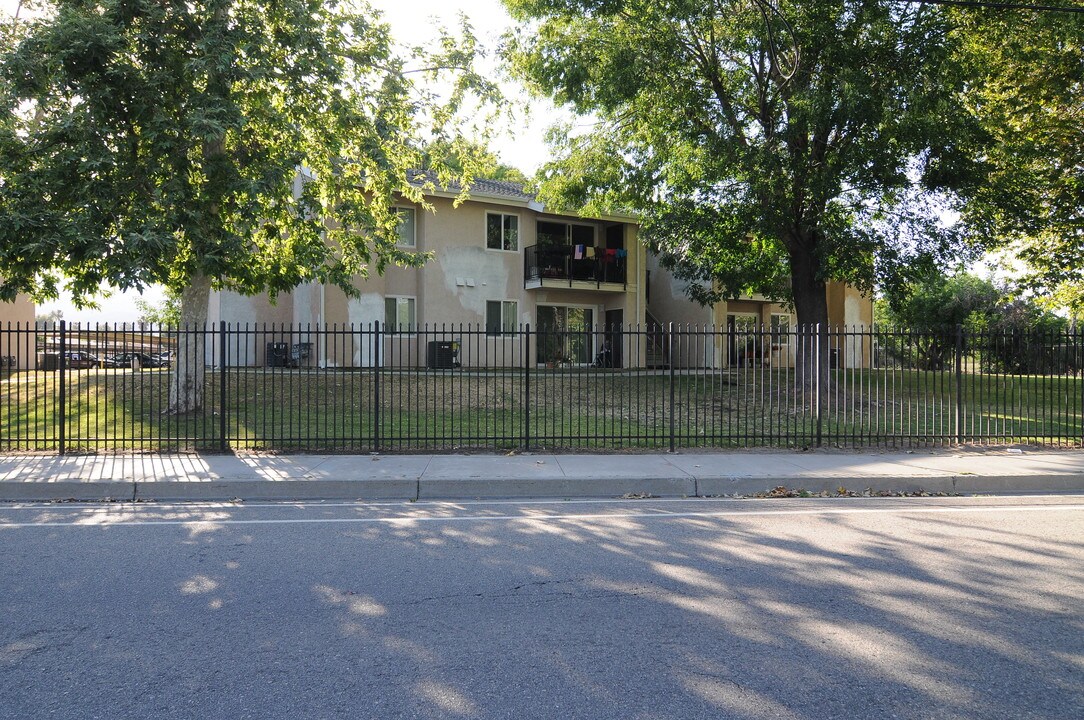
(380, 389)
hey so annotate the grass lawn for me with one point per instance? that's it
(358, 411)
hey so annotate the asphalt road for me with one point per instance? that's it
(875, 608)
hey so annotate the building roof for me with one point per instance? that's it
(479, 187)
(495, 190)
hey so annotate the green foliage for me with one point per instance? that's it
(831, 157)
(459, 156)
(165, 314)
(150, 141)
(1028, 69)
(1008, 334)
(939, 301)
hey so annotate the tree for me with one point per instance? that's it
(53, 317)
(1007, 331)
(939, 301)
(767, 148)
(923, 315)
(1028, 68)
(165, 314)
(485, 161)
(226, 144)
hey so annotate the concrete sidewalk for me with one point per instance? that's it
(425, 477)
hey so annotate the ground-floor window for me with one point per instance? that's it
(565, 334)
(501, 317)
(780, 327)
(399, 315)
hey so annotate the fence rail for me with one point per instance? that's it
(378, 388)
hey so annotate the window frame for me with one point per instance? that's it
(393, 328)
(569, 224)
(778, 337)
(502, 216)
(501, 331)
(413, 225)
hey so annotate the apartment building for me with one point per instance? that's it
(500, 261)
(754, 329)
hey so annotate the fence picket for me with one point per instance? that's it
(338, 388)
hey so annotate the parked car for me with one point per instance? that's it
(124, 360)
(78, 360)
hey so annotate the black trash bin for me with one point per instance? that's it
(278, 353)
(833, 358)
(440, 355)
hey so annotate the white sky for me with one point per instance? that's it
(413, 22)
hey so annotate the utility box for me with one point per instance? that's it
(440, 355)
(278, 354)
(48, 361)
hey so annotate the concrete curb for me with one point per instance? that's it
(562, 487)
(521, 488)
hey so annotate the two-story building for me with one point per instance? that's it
(501, 261)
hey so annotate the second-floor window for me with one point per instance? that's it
(406, 227)
(502, 231)
(399, 315)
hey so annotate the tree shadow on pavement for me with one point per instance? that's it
(969, 616)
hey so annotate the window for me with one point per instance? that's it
(501, 317)
(406, 227)
(502, 231)
(399, 315)
(780, 328)
(565, 334)
(560, 234)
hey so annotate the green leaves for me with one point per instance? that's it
(750, 177)
(151, 142)
(1029, 70)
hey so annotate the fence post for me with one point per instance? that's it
(63, 392)
(377, 355)
(223, 445)
(817, 383)
(670, 355)
(959, 383)
(526, 345)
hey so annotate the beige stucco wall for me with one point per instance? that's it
(450, 292)
(850, 314)
(17, 348)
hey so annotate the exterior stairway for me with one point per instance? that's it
(656, 343)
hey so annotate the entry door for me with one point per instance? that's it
(614, 335)
(741, 336)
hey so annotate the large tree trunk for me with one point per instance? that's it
(186, 384)
(811, 307)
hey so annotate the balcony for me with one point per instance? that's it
(577, 267)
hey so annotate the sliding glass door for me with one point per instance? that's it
(565, 335)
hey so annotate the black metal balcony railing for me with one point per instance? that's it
(574, 263)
